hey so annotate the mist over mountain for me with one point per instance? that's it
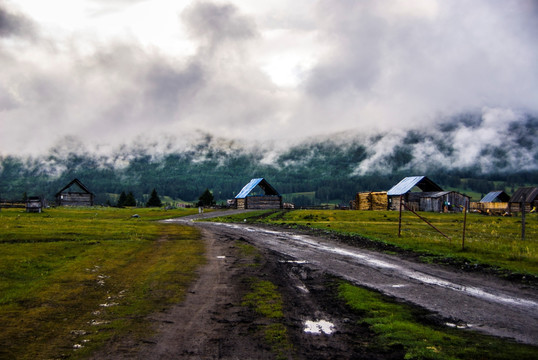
(478, 151)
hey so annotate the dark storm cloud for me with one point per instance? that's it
(12, 24)
(399, 65)
(168, 88)
(216, 25)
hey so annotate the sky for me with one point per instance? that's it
(103, 73)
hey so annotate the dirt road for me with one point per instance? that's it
(478, 301)
(212, 324)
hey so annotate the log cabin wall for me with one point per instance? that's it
(262, 202)
(75, 199)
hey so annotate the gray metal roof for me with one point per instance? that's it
(526, 194)
(266, 187)
(492, 196)
(406, 184)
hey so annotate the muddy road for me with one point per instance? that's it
(212, 322)
(469, 300)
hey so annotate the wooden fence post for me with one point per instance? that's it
(400, 218)
(522, 205)
(464, 226)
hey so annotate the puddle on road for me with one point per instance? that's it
(221, 257)
(300, 262)
(411, 274)
(459, 326)
(318, 327)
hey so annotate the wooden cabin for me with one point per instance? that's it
(251, 198)
(495, 202)
(75, 194)
(526, 196)
(439, 201)
(34, 204)
(404, 188)
(429, 197)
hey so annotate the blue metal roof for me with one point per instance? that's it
(266, 187)
(406, 184)
(491, 196)
(248, 188)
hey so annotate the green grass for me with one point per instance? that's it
(267, 302)
(72, 279)
(396, 324)
(491, 240)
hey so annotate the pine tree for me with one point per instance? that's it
(121, 200)
(154, 200)
(206, 199)
(130, 199)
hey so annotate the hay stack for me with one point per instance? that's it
(380, 200)
(362, 201)
(371, 201)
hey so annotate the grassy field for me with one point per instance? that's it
(491, 240)
(72, 279)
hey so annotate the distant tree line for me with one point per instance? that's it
(326, 170)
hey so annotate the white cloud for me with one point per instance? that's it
(112, 71)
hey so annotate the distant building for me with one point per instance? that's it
(494, 203)
(249, 199)
(404, 187)
(495, 196)
(440, 201)
(75, 194)
(526, 196)
(431, 196)
(34, 204)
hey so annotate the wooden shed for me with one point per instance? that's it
(250, 198)
(526, 196)
(439, 201)
(405, 186)
(75, 194)
(495, 202)
(34, 204)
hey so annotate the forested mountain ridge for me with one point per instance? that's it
(462, 152)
